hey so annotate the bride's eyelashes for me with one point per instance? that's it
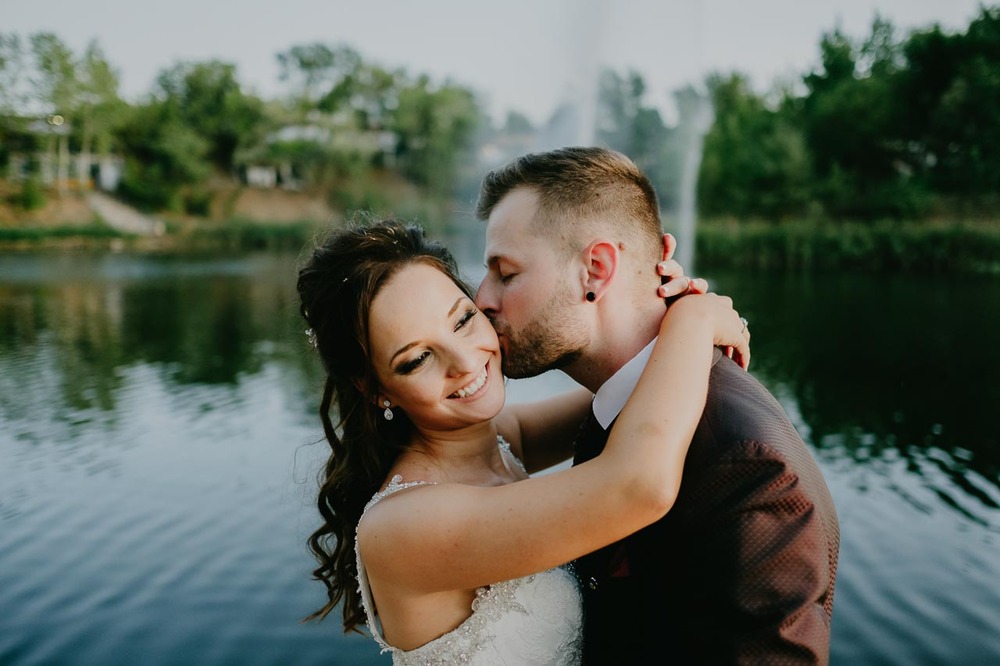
(466, 318)
(407, 367)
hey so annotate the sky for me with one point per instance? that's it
(523, 55)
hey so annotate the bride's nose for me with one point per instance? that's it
(464, 359)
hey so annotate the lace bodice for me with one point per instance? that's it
(531, 620)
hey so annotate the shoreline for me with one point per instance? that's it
(799, 246)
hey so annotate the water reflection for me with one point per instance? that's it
(156, 415)
(885, 372)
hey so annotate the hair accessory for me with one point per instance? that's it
(591, 296)
(388, 412)
(311, 336)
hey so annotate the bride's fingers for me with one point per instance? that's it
(736, 342)
(669, 245)
(683, 285)
(676, 287)
(741, 353)
(669, 268)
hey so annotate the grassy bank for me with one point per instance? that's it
(881, 247)
(795, 246)
(95, 230)
(240, 234)
(235, 235)
(95, 235)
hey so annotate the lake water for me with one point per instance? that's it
(158, 457)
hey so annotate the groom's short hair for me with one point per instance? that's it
(581, 187)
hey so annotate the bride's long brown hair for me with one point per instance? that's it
(336, 285)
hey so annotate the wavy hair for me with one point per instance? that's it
(337, 284)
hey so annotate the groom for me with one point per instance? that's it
(742, 569)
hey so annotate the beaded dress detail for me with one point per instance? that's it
(532, 620)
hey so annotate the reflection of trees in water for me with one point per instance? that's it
(888, 372)
(65, 338)
(203, 330)
(893, 376)
(67, 345)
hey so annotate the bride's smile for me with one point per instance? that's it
(435, 355)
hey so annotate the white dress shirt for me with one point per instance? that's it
(610, 399)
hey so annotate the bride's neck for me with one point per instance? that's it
(469, 456)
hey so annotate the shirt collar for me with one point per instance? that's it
(610, 399)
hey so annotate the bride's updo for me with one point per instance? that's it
(337, 284)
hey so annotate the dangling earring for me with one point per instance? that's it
(388, 412)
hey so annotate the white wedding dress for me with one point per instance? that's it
(532, 620)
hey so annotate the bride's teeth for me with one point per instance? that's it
(473, 387)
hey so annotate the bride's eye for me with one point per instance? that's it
(411, 365)
(466, 318)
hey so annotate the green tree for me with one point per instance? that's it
(755, 162)
(311, 70)
(434, 124)
(57, 89)
(100, 109)
(207, 98)
(13, 66)
(13, 98)
(627, 124)
(949, 91)
(852, 125)
(163, 157)
(56, 81)
(366, 91)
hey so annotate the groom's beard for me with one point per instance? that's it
(551, 341)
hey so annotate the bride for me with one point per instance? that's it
(434, 535)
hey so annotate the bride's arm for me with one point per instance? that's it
(453, 536)
(541, 433)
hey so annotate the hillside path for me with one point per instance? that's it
(123, 217)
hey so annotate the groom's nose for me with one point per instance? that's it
(486, 298)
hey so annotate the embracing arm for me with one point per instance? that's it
(542, 433)
(458, 536)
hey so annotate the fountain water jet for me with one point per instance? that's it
(696, 116)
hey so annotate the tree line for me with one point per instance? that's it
(885, 126)
(343, 118)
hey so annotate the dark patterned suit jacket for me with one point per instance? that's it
(742, 569)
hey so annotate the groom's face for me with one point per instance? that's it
(528, 291)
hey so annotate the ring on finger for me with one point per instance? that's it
(745, 322)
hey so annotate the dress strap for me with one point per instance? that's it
(505, 447)
(364, 587)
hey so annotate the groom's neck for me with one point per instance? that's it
(616, 341)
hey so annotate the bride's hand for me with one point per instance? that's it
(675, 283)
(729, 329)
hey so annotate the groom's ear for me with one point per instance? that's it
(601, 260)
